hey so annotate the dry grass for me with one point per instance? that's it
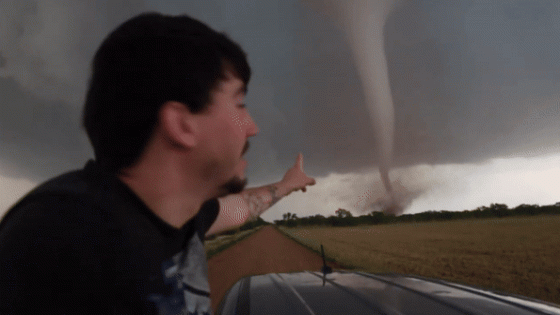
(518, 255)
(219, 243)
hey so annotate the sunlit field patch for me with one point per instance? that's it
(517, 255)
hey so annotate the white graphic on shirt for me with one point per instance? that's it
(187, 272)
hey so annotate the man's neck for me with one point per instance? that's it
(164, 191)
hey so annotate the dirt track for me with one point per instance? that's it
(266, 251)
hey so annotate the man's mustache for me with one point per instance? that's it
(245, 148)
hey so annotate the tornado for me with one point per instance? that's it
(363, 22)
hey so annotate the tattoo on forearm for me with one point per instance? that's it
(259, 201)
(272, 189)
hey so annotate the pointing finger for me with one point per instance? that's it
(299, 161)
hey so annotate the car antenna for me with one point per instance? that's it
(325, 269)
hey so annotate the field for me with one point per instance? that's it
(518, 255)
(217, 244)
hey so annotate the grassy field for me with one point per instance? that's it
(219, 243)
(517, 255)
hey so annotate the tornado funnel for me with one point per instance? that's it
(363, 22)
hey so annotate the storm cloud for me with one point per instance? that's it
(471, 81)
(45, 50)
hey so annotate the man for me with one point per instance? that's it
(166, 118)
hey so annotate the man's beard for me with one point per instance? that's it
(236, 184)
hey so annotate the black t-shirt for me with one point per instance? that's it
(85, 243)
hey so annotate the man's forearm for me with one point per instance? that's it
(258, 200)
(246, 206)
(249, 204)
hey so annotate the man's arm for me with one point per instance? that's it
(250, 203)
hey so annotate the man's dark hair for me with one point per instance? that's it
(145, 62)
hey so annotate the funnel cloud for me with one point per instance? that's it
(363, 24)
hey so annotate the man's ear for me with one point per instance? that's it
(178, 124)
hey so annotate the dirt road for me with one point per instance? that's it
(266, 251)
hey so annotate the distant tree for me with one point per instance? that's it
(253, 224)
(334, 221)
(344, 217)
(525, 209)
(313, 220)
(289, 216)
(342, 213)
(288, 219)
(292, 220)
(377, 217)
(499, 210)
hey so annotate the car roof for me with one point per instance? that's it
(343, 292)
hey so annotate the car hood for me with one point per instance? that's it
(344, 292)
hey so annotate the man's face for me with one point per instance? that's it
(226, 127)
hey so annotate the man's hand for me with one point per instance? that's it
(295, 178)
(250, 203)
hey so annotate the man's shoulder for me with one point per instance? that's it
(70, 196)
(79, 183)
(55, 239)
(60, 216)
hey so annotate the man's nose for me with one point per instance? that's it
(252, 128)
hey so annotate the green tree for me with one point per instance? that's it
(342, 213)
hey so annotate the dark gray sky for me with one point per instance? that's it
(471, 80)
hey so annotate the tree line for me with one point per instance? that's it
(343, 217)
